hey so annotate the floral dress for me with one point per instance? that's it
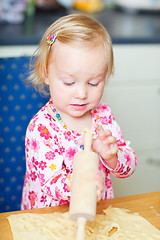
(50, 149)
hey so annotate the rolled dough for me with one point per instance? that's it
(59, 226)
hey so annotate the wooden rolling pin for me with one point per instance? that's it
(83, 191)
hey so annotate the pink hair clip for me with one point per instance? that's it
(51, 39)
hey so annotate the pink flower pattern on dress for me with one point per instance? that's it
(35, 145)
(68, 135)
(42, 165)
(41, 178)
(32, 198)
(56, 140)
(103, 120)
(43, 199)
(103, 108)
(33, 176)
(49, 191)
(44, 132)
(54, 126)
(129, 160)
(55, 179)
(50, 151)
(58, 192)
(35, 163)
(32, 125)
(50, 155)
(66, 188)
(108, 183)
(70, 153)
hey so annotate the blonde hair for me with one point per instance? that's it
(77, 30)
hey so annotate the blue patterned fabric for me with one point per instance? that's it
(18, 104)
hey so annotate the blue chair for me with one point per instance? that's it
(19, 102)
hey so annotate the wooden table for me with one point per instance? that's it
(147, 205)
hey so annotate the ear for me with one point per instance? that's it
(44, 74)
(45, 77)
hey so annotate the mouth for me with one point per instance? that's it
(79, 107)
(78, 104)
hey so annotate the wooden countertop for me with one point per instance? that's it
(147, 205)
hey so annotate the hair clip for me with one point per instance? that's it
(51, 39)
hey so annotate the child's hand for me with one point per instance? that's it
(99, 180)
(105, 144)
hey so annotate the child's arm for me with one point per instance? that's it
(114, 151)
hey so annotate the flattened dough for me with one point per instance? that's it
(59, 226)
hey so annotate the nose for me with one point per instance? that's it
(81, 92)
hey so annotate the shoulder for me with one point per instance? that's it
(41, 113)
(102, 114)
(41, 118)
(102, 109)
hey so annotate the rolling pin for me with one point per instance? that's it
(83, 200)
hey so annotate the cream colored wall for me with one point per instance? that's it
(134, 97)
(16, 51)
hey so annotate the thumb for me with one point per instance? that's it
(80, 141)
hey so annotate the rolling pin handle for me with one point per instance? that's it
(87, 140)
(81, 222)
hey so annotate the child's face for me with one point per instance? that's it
(76, 78)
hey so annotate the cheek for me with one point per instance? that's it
(99, 96)
(54, 90)
(60, 92)
(55, 86)
(96, 96)
(98, 92)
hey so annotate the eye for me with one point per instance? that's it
(93, 84)
(68, 82)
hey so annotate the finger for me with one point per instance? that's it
(114, 148)
(110, 140)
(111, 152)
(98, 127)
(69, 184)
(102, 134)
(99, 195)
(80, 141)
(99, 181)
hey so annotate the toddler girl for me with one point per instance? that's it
(72, 63)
